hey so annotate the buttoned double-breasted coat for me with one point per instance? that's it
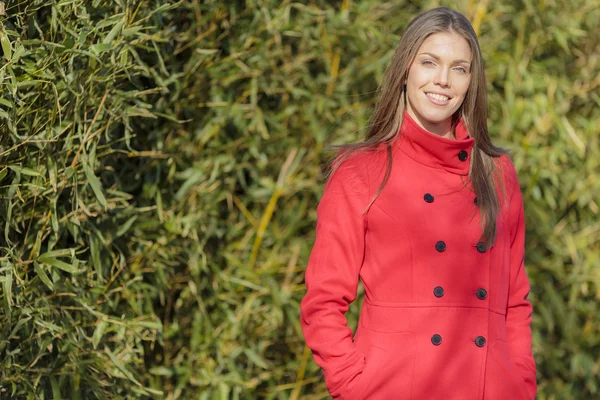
(445, 316)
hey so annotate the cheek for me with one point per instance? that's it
(417, 77)
(463, 87)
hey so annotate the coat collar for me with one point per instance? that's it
(435, 151)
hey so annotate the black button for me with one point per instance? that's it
(438, 291)
(462, 155)
(428, 198)
(436, 339)
(481, 247)
(480, 341)
(440, 246)
(481, 294)
(475, 201)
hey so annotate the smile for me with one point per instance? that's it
(438, 97)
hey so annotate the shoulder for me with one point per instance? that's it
(507, 170)
(510, 178)
(360, 164)
(355, 173)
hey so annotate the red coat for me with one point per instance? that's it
(444, 317)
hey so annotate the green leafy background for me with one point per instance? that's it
(161, 163)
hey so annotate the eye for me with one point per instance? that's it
(427, 62)
(462, 70)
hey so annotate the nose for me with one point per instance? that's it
(441, 77)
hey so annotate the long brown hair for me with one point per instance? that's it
(385, 122)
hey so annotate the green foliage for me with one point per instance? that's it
(161, 165)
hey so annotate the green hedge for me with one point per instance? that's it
(161, 166)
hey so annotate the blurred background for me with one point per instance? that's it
(161, 164)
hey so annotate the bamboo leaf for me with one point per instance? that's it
(58, 264)
(6, 46)
(7, 282)
(95, 184)
(43, 276)
(125, 227)
(99, 333)
(113, 33)
(24, 170)
(147, 324)
(58, 253)
(121, 367)
(255, 358)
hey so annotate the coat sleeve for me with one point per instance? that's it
(332, 276)
(518, 315)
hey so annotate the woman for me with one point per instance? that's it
(428, 213)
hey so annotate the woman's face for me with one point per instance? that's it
(438, 80)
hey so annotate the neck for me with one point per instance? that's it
(443, 129)
(435, 150)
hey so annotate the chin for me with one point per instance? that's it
(435, 117)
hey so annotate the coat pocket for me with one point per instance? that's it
(360, 384)
(389, 367)
(507, 381)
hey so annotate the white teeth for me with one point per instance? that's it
(437, 96)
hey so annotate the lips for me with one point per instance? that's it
(437, 96)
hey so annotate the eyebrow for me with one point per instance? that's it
(455, 61)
